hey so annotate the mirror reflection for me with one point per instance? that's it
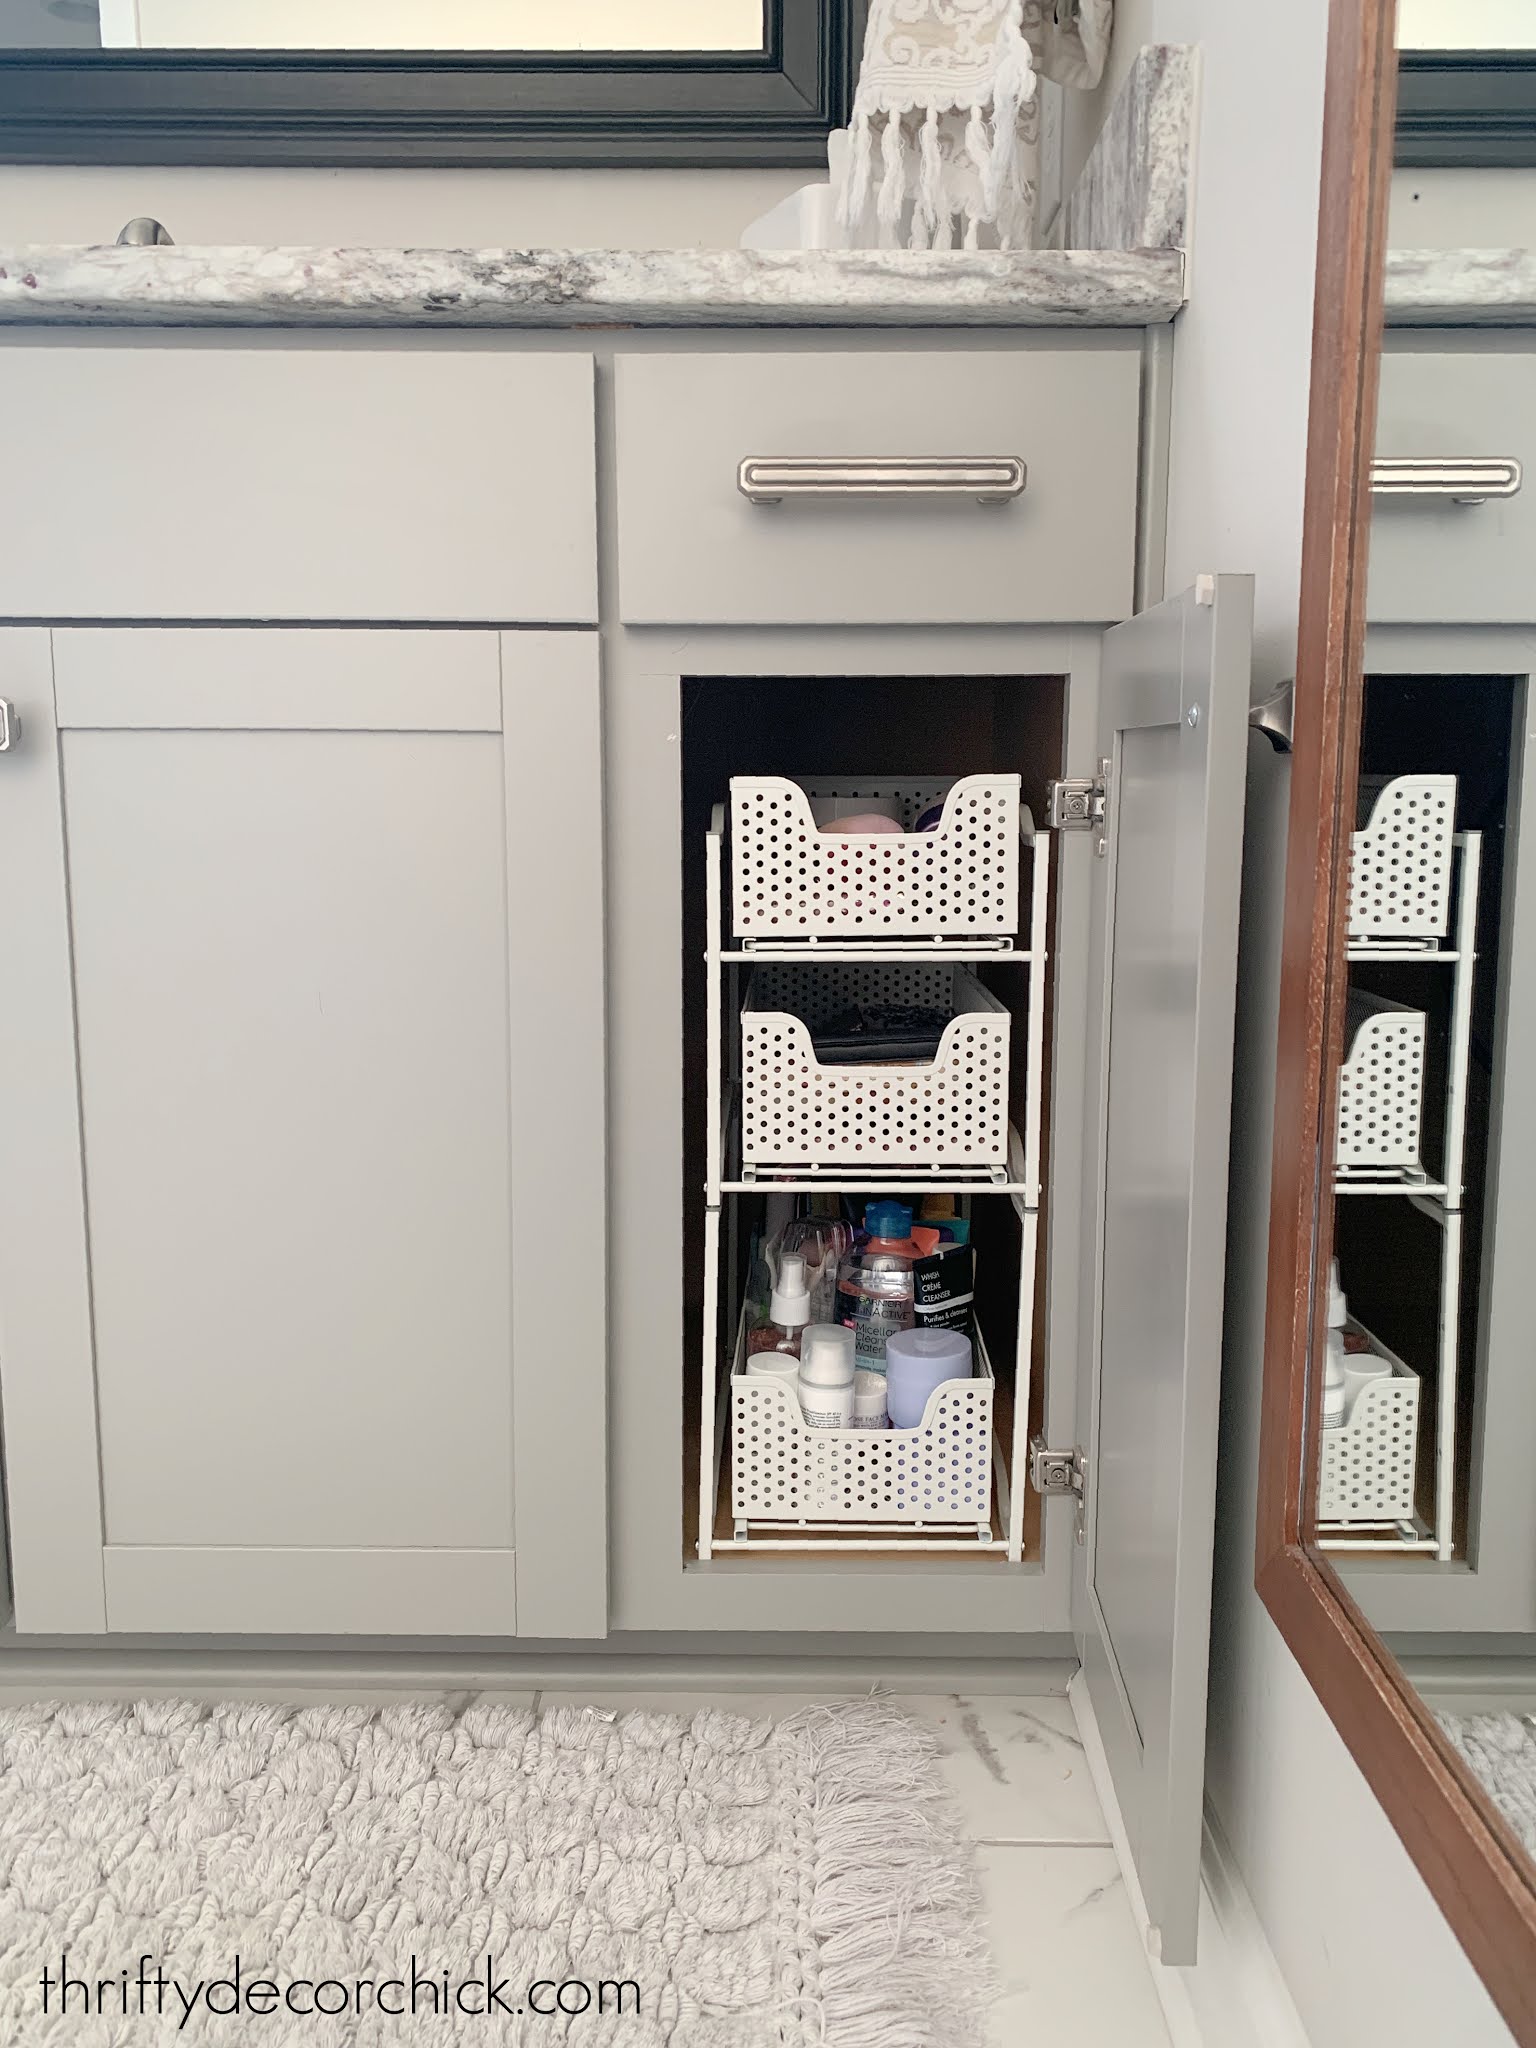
(487, 25)
(1423, 1492)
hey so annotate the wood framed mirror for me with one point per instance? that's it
(1432, 1556)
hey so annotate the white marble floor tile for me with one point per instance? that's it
(1017, 1765)
(1070, 1960)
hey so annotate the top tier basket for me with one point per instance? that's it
(791, 881)
(1400, 875)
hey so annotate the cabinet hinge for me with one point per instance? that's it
(1079, 803)
(1055, 1471)
(1059, 1472)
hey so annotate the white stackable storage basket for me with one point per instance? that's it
(1381, 1088)
(1400, 873)
(796, 1112)
(789, 880)
(1369, 1463)
(782, 1470)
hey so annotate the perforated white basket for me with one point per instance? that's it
(789, 880)
(1400, 871)
(1381, 1088)
(1369, 1464)
(796, 1112)
(783, 1471)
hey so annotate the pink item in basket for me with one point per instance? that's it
(861, 821)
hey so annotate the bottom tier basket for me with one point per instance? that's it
(939, 1475)
(1370, 1462)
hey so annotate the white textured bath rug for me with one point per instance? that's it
(799, 1882)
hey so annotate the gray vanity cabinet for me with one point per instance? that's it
(347, 983)
(308, 1089)
(1452, 611)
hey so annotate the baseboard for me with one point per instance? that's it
(215, 1670)
(1234, 1996)
(1474, 1684)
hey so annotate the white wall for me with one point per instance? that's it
(392, 209)
(1368, 1958)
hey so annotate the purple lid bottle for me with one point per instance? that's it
(917, 1361)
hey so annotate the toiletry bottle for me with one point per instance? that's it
(789, 1310)
(875, 1287)
(917, 1362)
(869, 1409)
(822, 1241)
(826, 1376)
(1333, 1382)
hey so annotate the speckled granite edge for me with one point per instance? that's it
(1461, 288)
(255, 287)
(1133, 192)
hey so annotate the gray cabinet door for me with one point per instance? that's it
(1173, 723)
(301, 1248)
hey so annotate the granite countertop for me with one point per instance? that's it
(1461, 288)
(188, 286)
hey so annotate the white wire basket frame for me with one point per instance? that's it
(1441, 1201)
(1019, 1181)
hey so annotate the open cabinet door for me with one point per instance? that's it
(1172, 729)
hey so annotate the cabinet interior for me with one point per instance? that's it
(913, 727)
(1393, 1264)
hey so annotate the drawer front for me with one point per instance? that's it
(165, 482)
(1436, 558)
(695, 550)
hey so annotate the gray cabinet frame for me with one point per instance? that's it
(1494, 1590)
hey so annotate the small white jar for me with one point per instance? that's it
(869, 1409)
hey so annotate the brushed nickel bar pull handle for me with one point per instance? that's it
(1467, 482)
(991, 479)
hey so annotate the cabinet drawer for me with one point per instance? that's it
(1435, 558)
(694, 549)
(168, 482)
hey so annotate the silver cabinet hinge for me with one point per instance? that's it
(1079, 803)
(1055, 1471)
(1059, 1472)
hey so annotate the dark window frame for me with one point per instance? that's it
(1466, 109)
(405, 109)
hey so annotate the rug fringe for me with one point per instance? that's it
(889, 1932)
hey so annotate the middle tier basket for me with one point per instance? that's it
(1381, 1088)
(797, 1112)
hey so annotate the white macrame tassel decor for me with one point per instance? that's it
(947, 96)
